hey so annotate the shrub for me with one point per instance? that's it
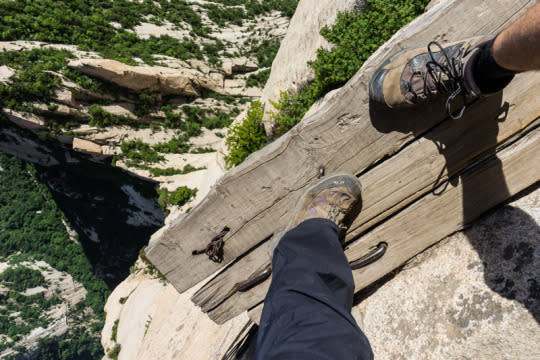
(266, 51)
(173, 171)
(218, 121)
(114, 352)
(259, 79)
(20, 278)
(179, 197)
(355, 35)
(247, 137)
(177, 145)
(102, 118)
(139, 152)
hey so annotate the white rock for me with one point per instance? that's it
(238, 66)
(156, 79)
(5, 73)
(86, 146)
(473, 296)
(290, 69)
(25, 120)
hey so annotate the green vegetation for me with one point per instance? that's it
(223, 15)
(139, 153)
(247, 137)
(31, 228)
(265, 51)
(176, 145)
(355, 35)
(20, 278)
(172, 171)
(256, 7)
(202, 150)
(102, 118)
(178, 197)
(88, 25)
(115, 330)
(114, 352)
(150, 269)
(31, 83)
(31, 312)
(259, 79)
(90, 83)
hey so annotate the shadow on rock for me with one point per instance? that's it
(508, 242)
(508, 259)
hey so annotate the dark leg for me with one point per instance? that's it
(307, 309)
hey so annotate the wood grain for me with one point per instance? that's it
(490, 182)
(253, 200)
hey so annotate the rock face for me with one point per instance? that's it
(290, 69)
(59, 284)
(238, 66)
(25, 120)
(156, 322)
(86, 146)
(473, 296)
(5, 73)
(156, 79)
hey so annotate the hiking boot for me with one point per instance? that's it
(335, 197)
(418, 75)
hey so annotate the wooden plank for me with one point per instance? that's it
(390, 186)
(253, 199)
(451, 208)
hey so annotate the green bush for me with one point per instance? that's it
(102, 118)
(139, 152)
(114, 331)
(31, 82)
(355, 35)
(173, 171)
(259, 79)
(266, 51)
(176, 145)
(31, 226)
(114, 352)
(178, 197)
(88, 24)
(217, 121)
(202, 150)
(247, 137)
(20, 278)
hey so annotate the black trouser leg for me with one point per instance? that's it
(307, 311)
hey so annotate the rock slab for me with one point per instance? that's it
(156, 79)
(476, 295)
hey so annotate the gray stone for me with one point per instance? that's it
(476, 295)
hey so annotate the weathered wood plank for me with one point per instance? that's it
(389, 186)
(436, 216)
(466, 139)
(439, 214)
(253, 199)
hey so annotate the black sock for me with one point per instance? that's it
(488, 75)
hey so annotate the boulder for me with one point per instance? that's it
(26, 120)
(156, 79)
(239, 65)
(86, 146)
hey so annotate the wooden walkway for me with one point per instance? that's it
(424, 176)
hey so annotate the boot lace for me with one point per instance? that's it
(447, 74)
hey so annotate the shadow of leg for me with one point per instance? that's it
(508, 243)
